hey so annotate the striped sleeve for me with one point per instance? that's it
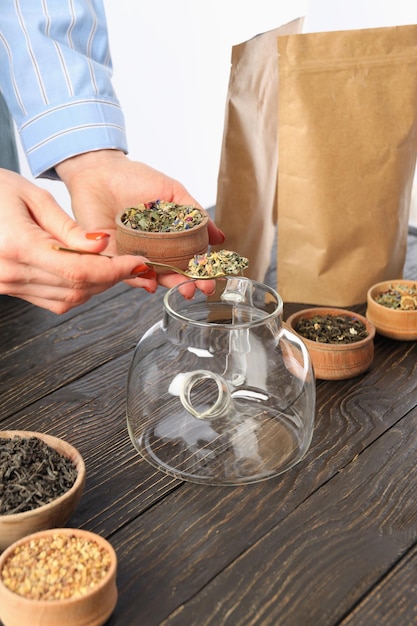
(56, 79)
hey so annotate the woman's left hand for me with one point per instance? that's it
(103, 183)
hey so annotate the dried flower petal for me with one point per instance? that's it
(221, 262)
(399, 296)
(162, 217)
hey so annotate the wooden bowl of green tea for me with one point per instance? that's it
(43, 478)
(340, 342)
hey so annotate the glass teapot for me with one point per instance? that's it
(219, 390)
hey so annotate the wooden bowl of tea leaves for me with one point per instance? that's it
(340, 342)
(164, 232)
(392, 308)
(41, 482)
(58, 577)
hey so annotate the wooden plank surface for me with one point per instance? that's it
(324, 556)
(393, 600)
(90, 413)
(332, 541)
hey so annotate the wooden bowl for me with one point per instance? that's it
(175, 248)
(393, 323)
(93, 608)
(337, 361)
(53, 514)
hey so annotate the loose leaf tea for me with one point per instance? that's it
(31, 474)
(221, 262)
(162, 217)
(401, 297)
(55, 567)
(336, 329)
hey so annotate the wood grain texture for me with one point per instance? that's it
(329, 551)
(331, 542)
(392, 600)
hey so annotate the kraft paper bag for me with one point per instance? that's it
(320, 140)
(347, 143)
(246, 188)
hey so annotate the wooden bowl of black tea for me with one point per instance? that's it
(43, 478)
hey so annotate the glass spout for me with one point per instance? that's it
(235, 290)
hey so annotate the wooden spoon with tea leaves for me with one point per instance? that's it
(201, 266)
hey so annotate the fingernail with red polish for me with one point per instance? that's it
(149, 275)
(149, 290)
(143, 271)
(97, 236)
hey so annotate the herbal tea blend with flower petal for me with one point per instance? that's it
(221, 262)
(31, 474)
(336, 329)
(398, 296)
(162, 217)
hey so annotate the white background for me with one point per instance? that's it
(171, 63)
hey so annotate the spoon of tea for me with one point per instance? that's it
(171, 268)
(165, 266)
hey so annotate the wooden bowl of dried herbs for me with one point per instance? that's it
(392, 308)
(58, 577)
(164, 232)
(340, 342)
(41, 482)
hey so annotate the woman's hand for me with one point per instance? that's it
(31, 224)
(103, 183)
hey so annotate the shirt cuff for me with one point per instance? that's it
(69, 129)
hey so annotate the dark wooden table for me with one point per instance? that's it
(332, 541)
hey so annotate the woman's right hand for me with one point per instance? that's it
(31, 224)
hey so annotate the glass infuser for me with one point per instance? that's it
(219, 390)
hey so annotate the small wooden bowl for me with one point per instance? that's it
(174, 248)
(393, 323)
(337, 361)
(53, 514)
(93, 608)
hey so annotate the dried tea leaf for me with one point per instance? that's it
(221, 262)
(399, 296)
(162, 217)
(335, 329)
(31, 474)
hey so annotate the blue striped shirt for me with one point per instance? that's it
(55, 75)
